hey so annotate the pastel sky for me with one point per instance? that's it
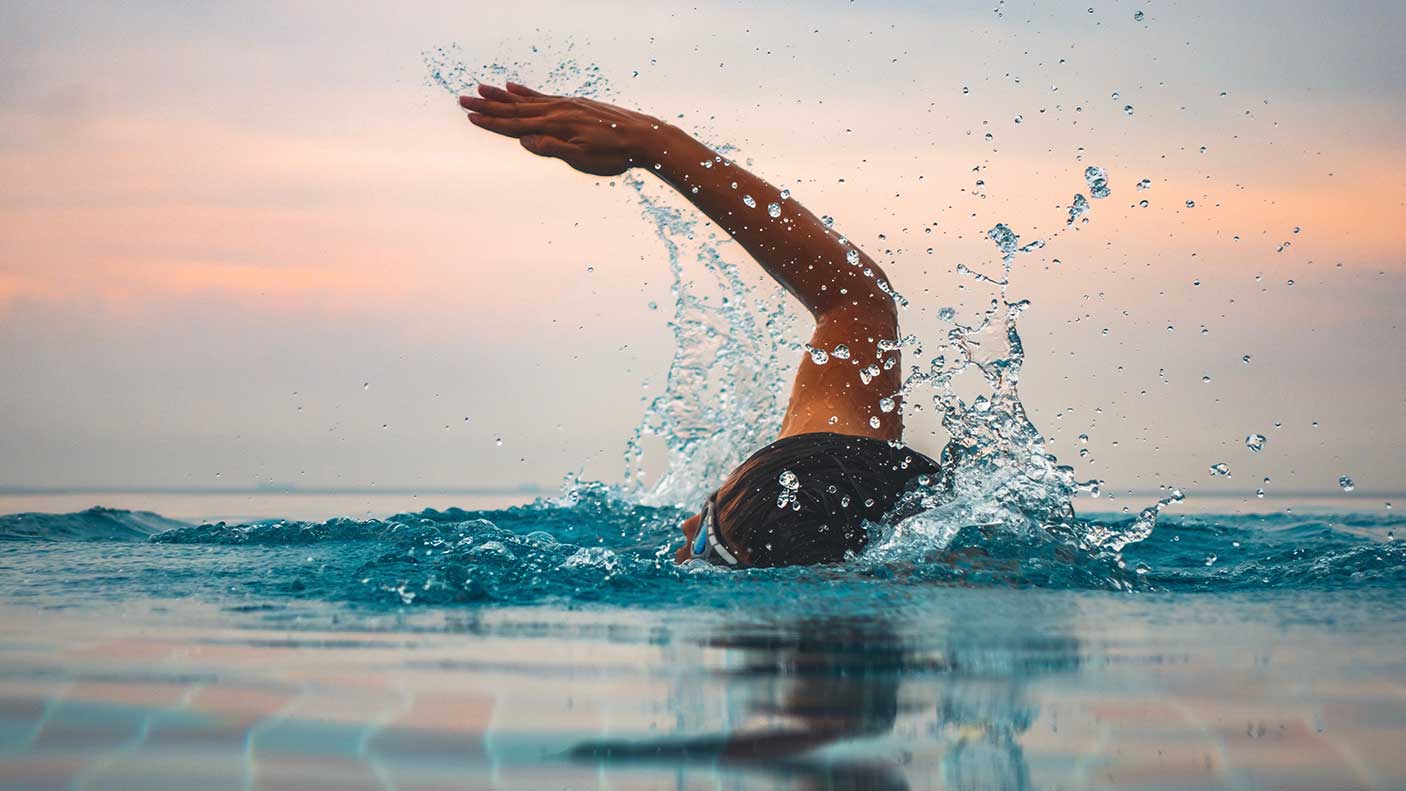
(249, 242)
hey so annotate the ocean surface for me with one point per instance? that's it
(553, 644)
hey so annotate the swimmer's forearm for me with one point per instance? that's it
(794, 247)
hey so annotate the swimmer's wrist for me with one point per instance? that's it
(660, 147)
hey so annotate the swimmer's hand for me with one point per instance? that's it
(593, 137)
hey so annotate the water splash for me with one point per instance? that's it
(448, 70)
(733, 356)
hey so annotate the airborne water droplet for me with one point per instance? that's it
(1255, 442)
(1346, 483)
(1220, 468)
(1097, 179)
(1078, 209)
(1127, 109)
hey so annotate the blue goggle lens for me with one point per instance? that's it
(700, 541)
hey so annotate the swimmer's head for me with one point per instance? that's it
(802, 501)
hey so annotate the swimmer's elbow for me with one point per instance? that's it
(876, 313)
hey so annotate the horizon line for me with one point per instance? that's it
(527, 488)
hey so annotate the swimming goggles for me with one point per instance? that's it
(706, 542)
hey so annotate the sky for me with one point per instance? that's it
(251, 243)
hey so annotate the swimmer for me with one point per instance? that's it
(839, 460)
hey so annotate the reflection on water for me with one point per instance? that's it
(974, 689)
(799, 692)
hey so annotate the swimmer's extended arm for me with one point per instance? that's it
(847, 299)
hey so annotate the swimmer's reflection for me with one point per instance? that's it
(824, 682)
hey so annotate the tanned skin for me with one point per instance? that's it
(809, 260)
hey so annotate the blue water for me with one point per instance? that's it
(556, 645)
(595, 548)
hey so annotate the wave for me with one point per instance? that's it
(94, 524)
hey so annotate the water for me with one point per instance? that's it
(553, 644)
(998, 638)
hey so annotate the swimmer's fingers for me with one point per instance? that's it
(513, 127)
(499, 95)
(504, 109)
(517, 89)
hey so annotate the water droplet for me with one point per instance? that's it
(1006, 240)
(1211, 559)
(785, 195)
(885, 405)
(1255, 442)
(1018, 119)
(498, 442)
(1127, 109)
(852, 257)
(1245, 359)
(817, 355)
(841, 352)
(1206, 379)
(774, 209)
(1138, 16)
(965, 90)
(1191, 204)
(789, 480)
(1142, 204)
(1097, 179)
(868, 373)
(874, 422)
(1145, 184)
(946, 314)
(1259, 493)
(747, 199)
(1220, 468)
(1346, 483)
(1077, 209)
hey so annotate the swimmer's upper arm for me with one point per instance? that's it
(848, 392)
